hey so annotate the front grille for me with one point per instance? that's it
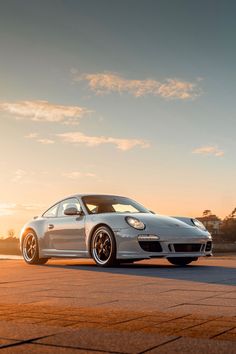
(208, 246)
(150, 246)
(187, 247)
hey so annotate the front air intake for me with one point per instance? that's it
(150, 246)
(208, 246)
(187, 247)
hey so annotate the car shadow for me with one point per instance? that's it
(210, 273)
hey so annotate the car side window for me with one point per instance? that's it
(68, 203)
(52, 212)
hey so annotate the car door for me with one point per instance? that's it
(66, 233)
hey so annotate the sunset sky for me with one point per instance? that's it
(132, 97)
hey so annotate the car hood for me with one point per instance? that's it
(168, 226)
(155, 224)
(161, 221)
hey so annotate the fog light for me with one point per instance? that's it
(148, 238)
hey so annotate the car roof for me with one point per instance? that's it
(80, 195)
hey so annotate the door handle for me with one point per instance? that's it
(50, 226)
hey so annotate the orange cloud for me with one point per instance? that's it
(44, 141)
(44, 111)
(77, 174)
(103, 83)
(209, 150)
(19, 175)
(7, 209)
(12, 208)
(122, 144)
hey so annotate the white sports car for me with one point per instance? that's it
(112, 229)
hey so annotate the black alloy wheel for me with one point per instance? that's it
(103, 247)
(30, 249)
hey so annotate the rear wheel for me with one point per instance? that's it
(103, 247)
(182, 261)
(30, 249)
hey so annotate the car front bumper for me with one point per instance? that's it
(129, 246)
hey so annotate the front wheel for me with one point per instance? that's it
(30, 249)
(103, 247)
(182, 261)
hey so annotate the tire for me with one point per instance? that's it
(103, 247)
(182, 261)
(30, 249)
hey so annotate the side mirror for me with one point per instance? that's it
(72, 211)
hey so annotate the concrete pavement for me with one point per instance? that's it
(73, 306)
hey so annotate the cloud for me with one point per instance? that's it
(31, 136)
(77, 174)
(30, 207)
(122, 144)
(23, 177)
(7, 209)
(43, 111)
(19, 175)
(107, 82)
(44, 141)
(209, 150)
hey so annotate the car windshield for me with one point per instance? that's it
(97, 204)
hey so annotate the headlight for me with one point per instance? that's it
(198, 224)
(135, 223)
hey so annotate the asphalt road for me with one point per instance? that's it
(73, 306)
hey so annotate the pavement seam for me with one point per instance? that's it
(166, 321)
(159, 345)
(62, 297)
(194, 304)
(182, 304)
(219, 334)
(176, 318)
(83, 348)
(196, 325)
(125, 321)
(146, 316)
(194, 290)
(19, 342)
(209, 297)
(107, 302)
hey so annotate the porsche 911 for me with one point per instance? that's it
(112, 230)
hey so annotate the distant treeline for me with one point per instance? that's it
(223, 231)
(10, 245)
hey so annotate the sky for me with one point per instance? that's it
(135, 98)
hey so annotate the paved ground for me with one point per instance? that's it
(71, 306)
